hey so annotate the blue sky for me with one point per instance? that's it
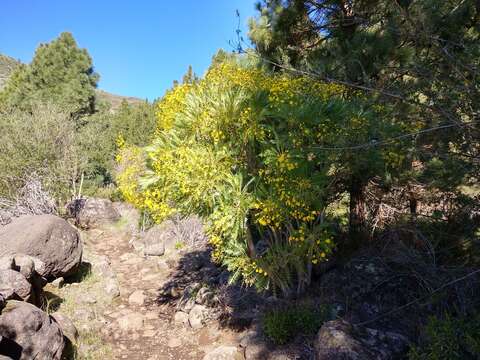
(138, 46)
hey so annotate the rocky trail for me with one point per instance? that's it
(137, 327)
(119, 298)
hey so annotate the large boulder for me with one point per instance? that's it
(338, 339)
(29, 333)
(47, 238)
(94, 212)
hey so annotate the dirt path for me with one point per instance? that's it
(135, 325)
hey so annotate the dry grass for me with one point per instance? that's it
(72, 300)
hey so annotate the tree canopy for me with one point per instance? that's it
(60, 73)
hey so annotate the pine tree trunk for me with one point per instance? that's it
(357, 221)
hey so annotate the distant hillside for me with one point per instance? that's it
(116, 100)
(8, 64)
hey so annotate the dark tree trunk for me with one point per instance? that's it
(357, 221)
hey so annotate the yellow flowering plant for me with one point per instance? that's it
(240, 148)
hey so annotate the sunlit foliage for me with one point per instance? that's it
(240, 147)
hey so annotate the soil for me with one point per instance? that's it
(140, 327)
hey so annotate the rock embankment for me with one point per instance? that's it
(34, 249)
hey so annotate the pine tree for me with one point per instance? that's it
(190, 77)
(59, 73)
(416, 59)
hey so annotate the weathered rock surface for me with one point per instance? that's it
(7, 263)
(30, 333)
(26, 266)
(154, 249)
(224, 353)
(196, 316)
(156, 239)
(137, 298)
(68, 328)
(180, 317)
(58, 283)
(13, 285)
(131, 322)
(46, 237)
(94, 212)
(339, 339)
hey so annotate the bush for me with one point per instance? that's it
(40, 142)
(284, 324)
(242, 148)
(236, 149)
(449, 338)
(133, 124)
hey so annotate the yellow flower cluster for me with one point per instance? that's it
(131, 166)
(168, 107)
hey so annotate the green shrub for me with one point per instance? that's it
(282, 325)
(40, 142)
(449, 338)
(97, 139)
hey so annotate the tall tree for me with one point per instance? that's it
(59, 73)
(419, 59)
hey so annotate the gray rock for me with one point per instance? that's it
(7, 263)
(159, 238)
(46, 237)
(180, 318)
(251, 337)
(137, 298)
(58, 283)
(196, 316)
(31, 332)
(68, 328)
(112, 288)
(25, 265)
(224, 353)
(205, 296)
(154, 249)
(186, 305)
(129, 213)
(94, 212)
(5, 217)
(339, 339)
(101, 265)
(131, 321)
(13, 285)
